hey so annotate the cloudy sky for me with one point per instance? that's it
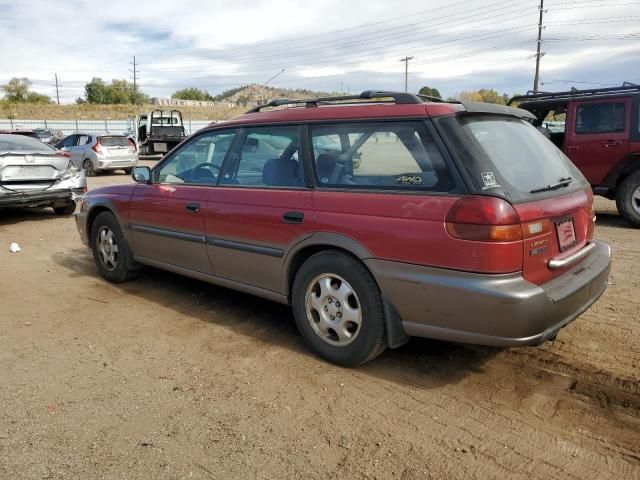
(330, 45)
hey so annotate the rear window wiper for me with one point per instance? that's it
(563, 182)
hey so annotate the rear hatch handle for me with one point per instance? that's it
(586, 250)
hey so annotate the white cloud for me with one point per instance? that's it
(218, 45)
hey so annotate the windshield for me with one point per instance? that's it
(20, 143)
(509, 157)
(115, 142)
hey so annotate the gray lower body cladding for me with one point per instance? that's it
(496, 310)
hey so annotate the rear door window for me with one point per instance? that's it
(385, 155)
(82, 140)
(600, 117)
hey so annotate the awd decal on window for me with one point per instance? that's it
(489, 181)
(409, 180)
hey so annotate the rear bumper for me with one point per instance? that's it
(36, 199)
(116, 164)
(496, 310)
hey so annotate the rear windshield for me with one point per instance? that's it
(115, 142)
(20, 143)
(508, 157)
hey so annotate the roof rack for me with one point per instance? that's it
(626, 87)
(373, 96)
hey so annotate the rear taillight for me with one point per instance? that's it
(97, 147)
(133, 145)
(484, 219)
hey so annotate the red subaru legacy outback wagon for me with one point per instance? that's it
(377, 217)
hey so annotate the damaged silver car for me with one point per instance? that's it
(33, 174)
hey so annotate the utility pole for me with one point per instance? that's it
(539, 52)
(57, 91)
(135, 80)
(406, 72)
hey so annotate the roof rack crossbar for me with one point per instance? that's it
(372, 95)
(626, 87)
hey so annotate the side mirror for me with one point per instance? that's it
(141, 174)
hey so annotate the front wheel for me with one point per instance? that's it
(628, 199)
(110, 250)
(338, 309)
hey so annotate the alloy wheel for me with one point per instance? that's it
(333, 309)
(108, 248)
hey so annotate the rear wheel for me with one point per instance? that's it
(110, 250)
(628, 199)
(88, 168)
(65, 209)
(338, 309)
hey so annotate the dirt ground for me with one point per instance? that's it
(167, 377)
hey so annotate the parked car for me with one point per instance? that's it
(33, 174)
(48, 136)
(601, 136)
(100, 152)
(455, 221)
(159, 131)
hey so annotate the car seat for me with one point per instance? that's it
(278, 172)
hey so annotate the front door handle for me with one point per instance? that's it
(192, 207)
(293, 217)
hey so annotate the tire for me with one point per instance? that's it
(628, 199)
(66, 209)
(128, 171)
(118, 266)
(324, 280)
(88, 168)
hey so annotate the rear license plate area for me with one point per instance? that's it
(160, 147)
(566, 233)
(25, 172)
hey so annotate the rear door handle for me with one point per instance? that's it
(192, 207)
(611, 143)
(293, 217)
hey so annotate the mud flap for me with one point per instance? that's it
(395, 333)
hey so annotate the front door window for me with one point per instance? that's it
(197, 162)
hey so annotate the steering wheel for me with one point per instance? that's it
(204, 171)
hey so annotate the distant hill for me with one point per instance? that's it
(259, 93)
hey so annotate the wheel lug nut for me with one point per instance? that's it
(330, 300)
(338, 304)
(326, 309)
(332, 317)
(339, 314)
